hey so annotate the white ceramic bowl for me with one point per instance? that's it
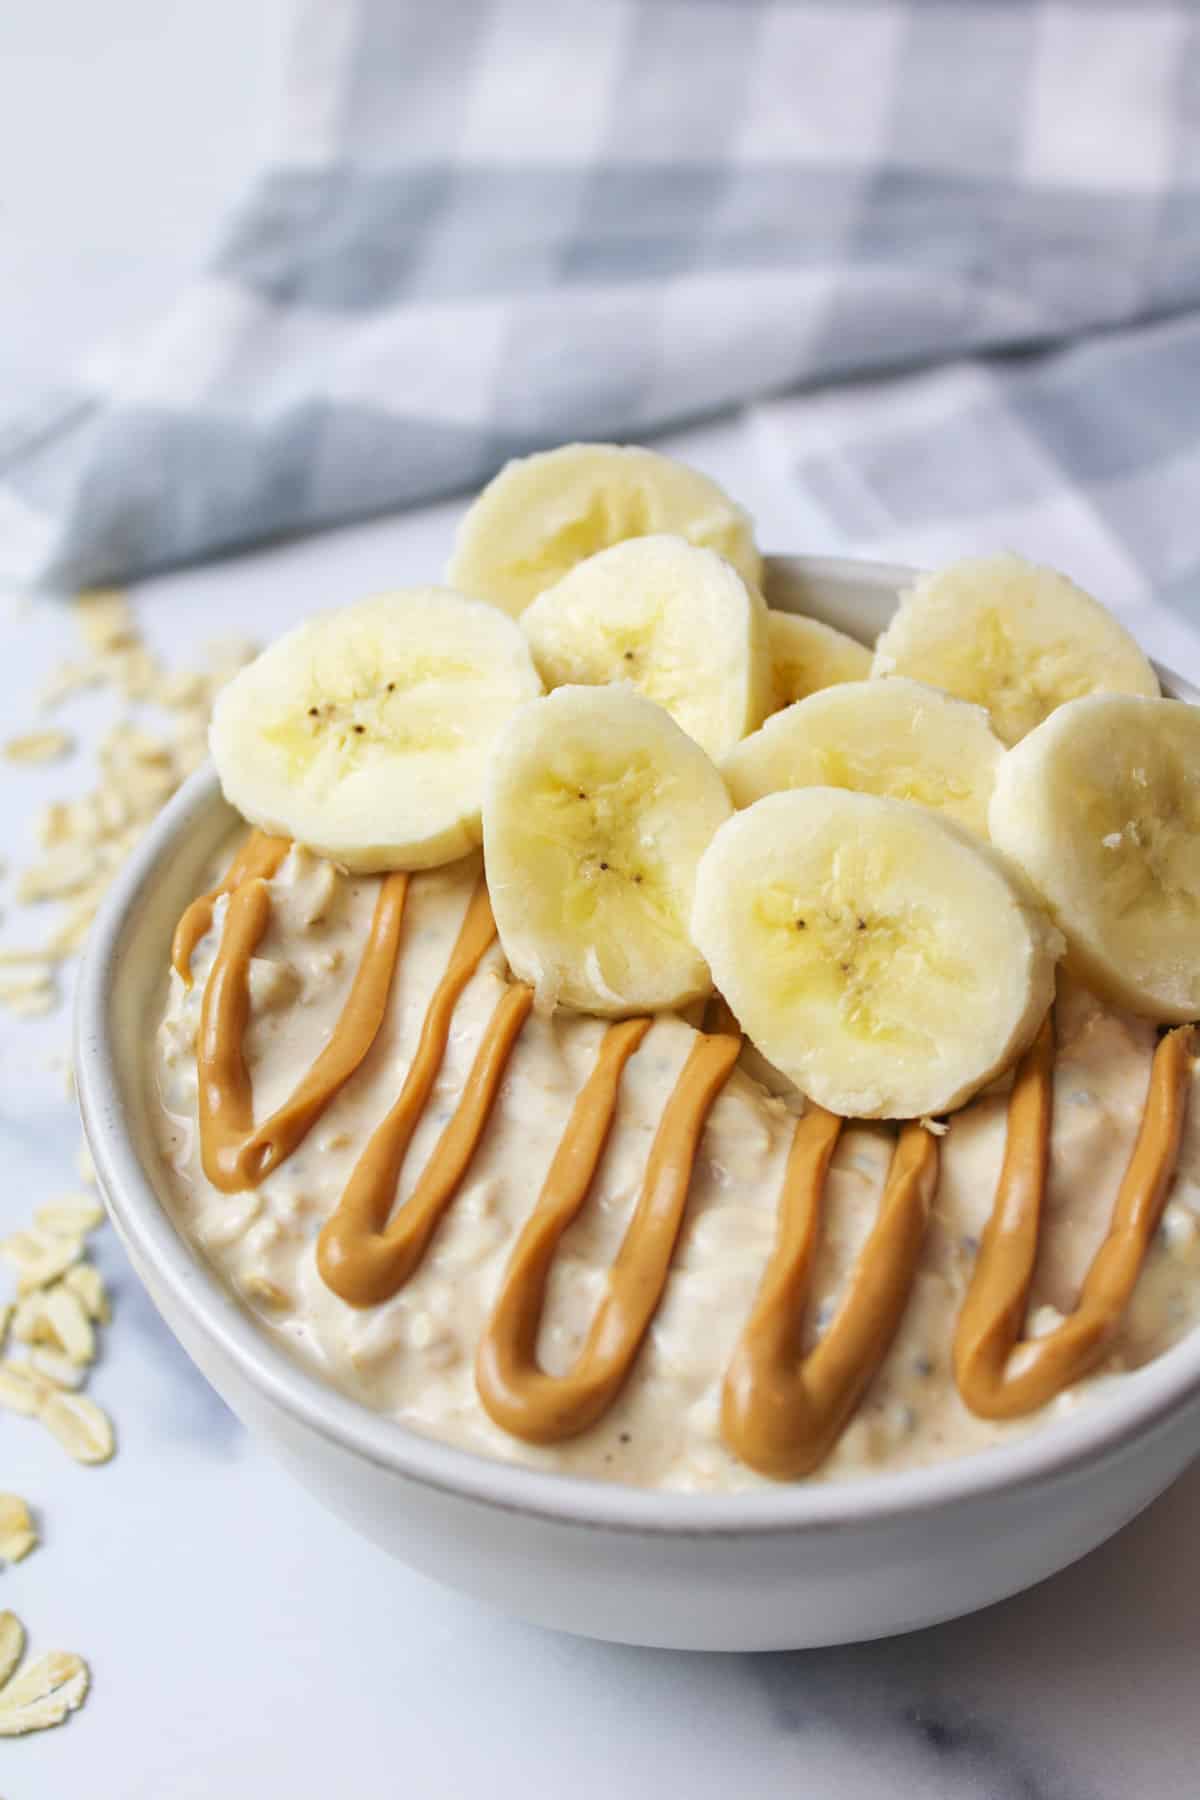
(794, 1565)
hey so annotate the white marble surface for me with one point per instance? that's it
(244, 1644)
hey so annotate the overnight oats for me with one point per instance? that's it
(639, 1034)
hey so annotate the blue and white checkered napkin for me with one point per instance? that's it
(494, 224)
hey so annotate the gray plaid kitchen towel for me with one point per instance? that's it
(493, 224)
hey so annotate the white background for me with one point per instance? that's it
(243, 1644)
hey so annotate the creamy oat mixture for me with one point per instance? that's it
(412, 1357)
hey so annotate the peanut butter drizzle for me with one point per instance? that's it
(260, 855)
(235, 1152)
(360, 1255)
(993, 1312)
(781, 1411)
(520, 1396)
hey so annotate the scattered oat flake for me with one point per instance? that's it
(84, 1281)
(27, 1318)
(105, 618)
(67, 679)
(183, 691)
(112, 811)
(38, 1257)
(22, 1249)
(192, 753)
(148, 789)
(83, 1429)
(133, 671)
(85, 841)
(72, 934)
(12, 1644)
(17, 1533)
(22, 1389)
(6, 1319)
(63, 870)
(67, 1325)
(57, 1367)
(60, 1317)
(43, 1693)
(128, 746)
(80, 822)
(25, 978)
(33, 1006)
(38, 746)
(56, 824)
(73, 1216)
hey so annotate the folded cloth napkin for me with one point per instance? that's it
(494, 224)
(1087, 457)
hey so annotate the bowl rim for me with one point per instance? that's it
(1147, 1400)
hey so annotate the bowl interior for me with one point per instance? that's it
(119, 991)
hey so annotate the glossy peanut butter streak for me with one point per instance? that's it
(783, 1411)
(236, 1153)
(993, 1312)
(516, 1391)
(361, 1255)
(260, 855)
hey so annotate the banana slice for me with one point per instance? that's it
(897, 738)
(1101, 808)
(597, 810)
(543, 514)
(807, 655)
(1012, 636)
(676, 622)
(877, 954)
(365, 733)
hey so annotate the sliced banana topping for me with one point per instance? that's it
(877, 954)
(365, 734)
(543, 514)
(896, 738)
(678, 623)
(808, 655)
(1101, 808)
(597, 811)
(1012, 636)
